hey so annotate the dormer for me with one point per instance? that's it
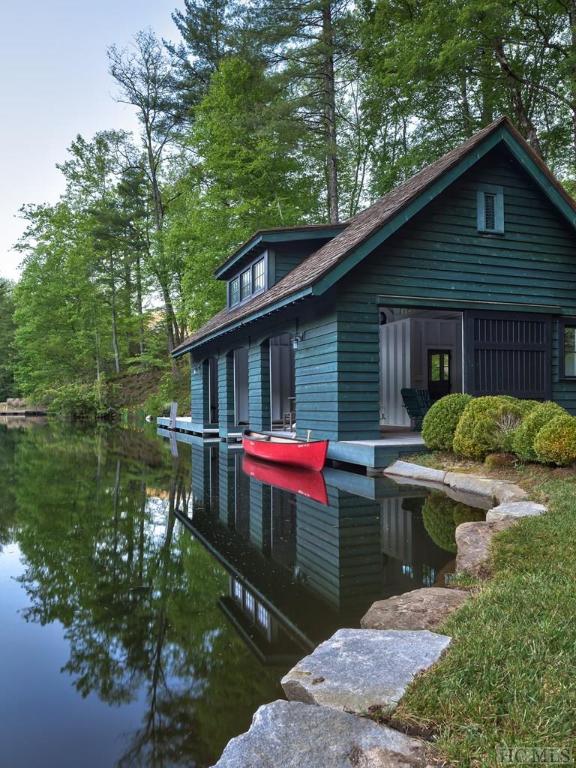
(269, 255)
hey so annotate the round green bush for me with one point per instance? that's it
(442, 419)
(523, 440)
(487, 425)
(555, 443)
(441, 516)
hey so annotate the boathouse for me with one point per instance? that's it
(463, 278)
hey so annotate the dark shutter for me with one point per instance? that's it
(507, 354)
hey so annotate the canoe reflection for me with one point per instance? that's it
(304, 482)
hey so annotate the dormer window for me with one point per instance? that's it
(250, 281)
(490, 210)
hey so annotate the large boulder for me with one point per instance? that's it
(473, 542)
(357, 669)
(420, 609)
(288, 734)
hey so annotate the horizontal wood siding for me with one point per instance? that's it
(338, 547)
(439, 255)
(283, 257)
(337, 395)
(259, 385)
(199, 392)
(316, 377)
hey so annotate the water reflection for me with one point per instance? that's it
(300, 567)
(152, 593)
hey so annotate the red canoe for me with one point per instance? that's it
(286, 450)
(305, 482)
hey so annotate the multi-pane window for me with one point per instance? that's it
(249, 282)
(245, 284)
(258, 280)
(490, 210)
(234, 291)
(570, 349)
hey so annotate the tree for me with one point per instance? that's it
(254, 171)
(307, 40)
(7, 333)
(146, 77)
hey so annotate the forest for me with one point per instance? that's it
(262, 113)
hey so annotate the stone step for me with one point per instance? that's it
(287, 734)
(357, 669)
(424, 608)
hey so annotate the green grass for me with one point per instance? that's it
(509, 677)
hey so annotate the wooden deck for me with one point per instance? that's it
(373, 455)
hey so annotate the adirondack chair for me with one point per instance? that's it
(417, 402)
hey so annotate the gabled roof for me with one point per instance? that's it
(365, 231)
(279, 235)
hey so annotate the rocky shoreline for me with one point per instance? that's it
(331, 692)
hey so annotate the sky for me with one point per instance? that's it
(54, 85)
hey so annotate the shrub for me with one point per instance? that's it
(523, 440)
(441, 421)
(441, 516)
(79, 401)
(487, 425)
(555, 443)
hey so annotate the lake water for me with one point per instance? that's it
(152, 593)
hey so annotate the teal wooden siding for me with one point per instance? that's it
(285, 256)
(260, 513)
(225, 394)
(259, 386)
(337, 375)
(199, 392)
(316, 378)
(338, 547)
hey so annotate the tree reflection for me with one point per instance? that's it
(136, 595)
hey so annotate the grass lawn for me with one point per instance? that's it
(509, 677)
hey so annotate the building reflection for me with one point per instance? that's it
(299, 569)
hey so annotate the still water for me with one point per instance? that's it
(152, 593)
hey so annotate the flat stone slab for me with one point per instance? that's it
(473, 542)
(515, 510)
(288, 734)
(415, 472)
(460, 481)
(360, 668)
(420, 609)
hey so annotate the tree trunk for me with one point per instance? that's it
(115, 347)
(139, 309)
(523, 119)
(329, 111)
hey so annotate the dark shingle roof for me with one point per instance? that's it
(359, 228)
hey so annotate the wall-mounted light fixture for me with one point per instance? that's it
(197, 367)
(296, 339)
